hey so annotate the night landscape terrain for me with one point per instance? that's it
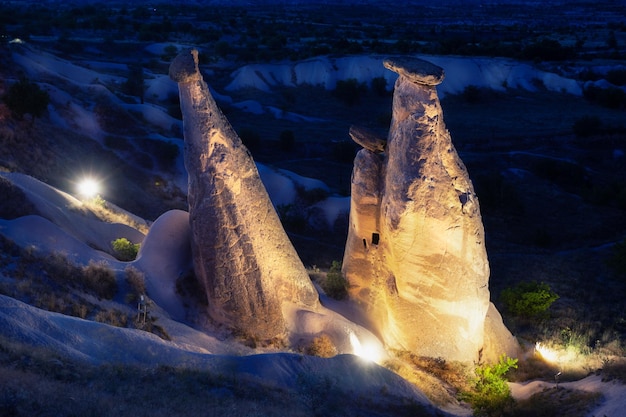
(534, 99)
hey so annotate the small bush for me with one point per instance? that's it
(124, 249)
(136, 280)
(112, 317)
(528, 299)
(321, 346)
(335, 285)
(60, 269)
(490, 394)
(99, 279)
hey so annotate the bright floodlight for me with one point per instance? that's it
(548, 354)
(88, 187)
(368, 350)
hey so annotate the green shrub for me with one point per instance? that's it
(124, 249)
(528, 299)
(490, 394)
(335, 285)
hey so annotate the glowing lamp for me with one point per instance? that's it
(548, 354)
(368, 351)
(88, 187)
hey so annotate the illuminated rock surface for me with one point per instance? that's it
(242, 256)
(415, 255)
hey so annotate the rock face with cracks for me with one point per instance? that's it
(242, 256)
(415, 256)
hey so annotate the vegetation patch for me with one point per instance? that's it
(125, 250)
(490, 394)
(552, 402)
(335, 285)
(528, 299)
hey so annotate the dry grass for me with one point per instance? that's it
(36, 382)
(321, 346)
(614, 370)
(137, 282)
(439, 380)
(557, 402)
(110, 213)
(55, 284)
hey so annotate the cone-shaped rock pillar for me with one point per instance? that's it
(415, 256)
(241, 253)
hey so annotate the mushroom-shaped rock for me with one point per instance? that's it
(241, 253)
(415, 256)
(416, 70)
(368, 139)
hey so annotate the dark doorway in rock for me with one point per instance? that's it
(364, 243)
(375, 238)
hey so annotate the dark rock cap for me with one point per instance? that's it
(416, 70)
(368, 139)
(184, 68)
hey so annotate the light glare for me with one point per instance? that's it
(548, 354)
(88, 187)
(368, 351)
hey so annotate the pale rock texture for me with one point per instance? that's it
(241, 254)
(415, 256)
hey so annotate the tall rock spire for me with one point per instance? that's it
(415, 256)
(242, 255)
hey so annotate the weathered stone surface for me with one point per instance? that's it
(242, 255)
(367, 139)
(416, 70)
(415, 255)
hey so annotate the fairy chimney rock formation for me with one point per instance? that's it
(415, 256)
(241, 253)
